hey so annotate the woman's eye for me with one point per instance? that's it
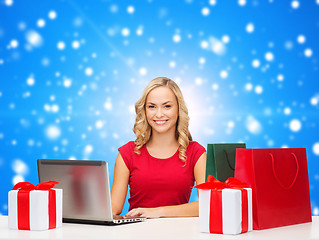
(167, 106)
(151, 106)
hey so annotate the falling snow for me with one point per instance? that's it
(60, 45)
(295, 125)
(205, 11)
(53, 132)
(315, 148)
(70, 80)
(52, 14)
(253, 125)
(177, 38)
(34, 38)
(250, 27)
(41, 23)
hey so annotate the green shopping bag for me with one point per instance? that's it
(221, 160)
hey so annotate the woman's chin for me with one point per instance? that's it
(163, 129)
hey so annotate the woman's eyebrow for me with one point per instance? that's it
(167, 102)
(150, 103)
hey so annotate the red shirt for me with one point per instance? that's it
(158, 182)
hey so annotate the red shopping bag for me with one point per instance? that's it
(280, 185)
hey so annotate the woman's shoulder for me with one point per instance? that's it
(194, 152)
(128, 146)
(126, 152)
(195, 146)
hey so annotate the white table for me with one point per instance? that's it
(163, 228)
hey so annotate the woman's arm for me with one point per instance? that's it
(120, 185)
(183, 210)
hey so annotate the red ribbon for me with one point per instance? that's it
(216, 187)
(24, 202)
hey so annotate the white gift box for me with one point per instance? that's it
(38, 209)
(231, 210)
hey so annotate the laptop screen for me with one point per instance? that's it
(85, 184)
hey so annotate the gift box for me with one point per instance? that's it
(35, 207)
(225, 208)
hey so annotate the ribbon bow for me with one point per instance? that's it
(26, 186)
(214, 184)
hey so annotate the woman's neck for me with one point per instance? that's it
(167, 140)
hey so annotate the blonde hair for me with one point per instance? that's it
(143, 130)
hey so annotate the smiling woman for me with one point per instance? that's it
(161, 111)
(161, 165)
(162, 90)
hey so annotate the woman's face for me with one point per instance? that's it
(161, 110)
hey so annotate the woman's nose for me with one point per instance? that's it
(159, 113)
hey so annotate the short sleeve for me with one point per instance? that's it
(197, 151)
(126, 152)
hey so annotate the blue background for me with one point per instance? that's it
(71, 72)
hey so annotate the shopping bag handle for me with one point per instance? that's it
(231, 167)
(276, 177)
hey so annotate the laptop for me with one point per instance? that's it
(86, 190)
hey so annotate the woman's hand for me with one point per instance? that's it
(146, 212)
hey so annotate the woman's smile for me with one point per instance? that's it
(160, 122)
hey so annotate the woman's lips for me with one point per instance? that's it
(160, 122)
